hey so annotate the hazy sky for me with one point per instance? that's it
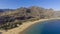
(13, 4)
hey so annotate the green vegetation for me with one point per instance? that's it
(15, 18)
(10, 26)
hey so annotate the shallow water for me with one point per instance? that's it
(46, 27)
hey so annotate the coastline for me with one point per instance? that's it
(23, 27)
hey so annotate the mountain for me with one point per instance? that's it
(10, 18)
(4, 10)
(57, 13)
(24, 13)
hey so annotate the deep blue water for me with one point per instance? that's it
(46, 27)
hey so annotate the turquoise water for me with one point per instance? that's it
(46, 27)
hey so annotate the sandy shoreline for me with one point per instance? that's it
(23, 27)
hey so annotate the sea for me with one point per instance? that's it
(45, 27)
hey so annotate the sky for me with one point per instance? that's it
(14, 4)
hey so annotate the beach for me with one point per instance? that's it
(22, 27)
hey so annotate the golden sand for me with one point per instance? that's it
(22, 27)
